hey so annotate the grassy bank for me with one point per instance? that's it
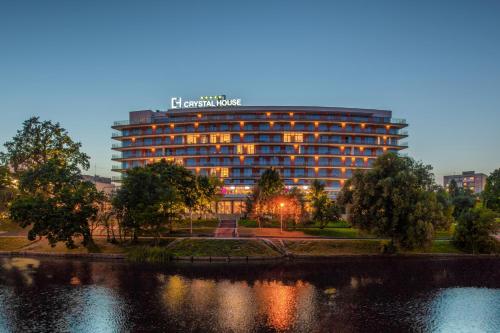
(201, 248)
(145, 250)
(333, 247)
(13, 243)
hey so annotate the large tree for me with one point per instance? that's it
(154, 196)
(39, 141)
(266, 195)
(396, 198)
(52, 198)
(475, 231)
(491, 193)
(56, 203)
(324, 209)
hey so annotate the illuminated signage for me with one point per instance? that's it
(204, 102)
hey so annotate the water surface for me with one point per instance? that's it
(348, 295)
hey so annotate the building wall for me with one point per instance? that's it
(468, 179)
(238, 144)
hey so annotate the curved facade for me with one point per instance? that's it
(238, 143)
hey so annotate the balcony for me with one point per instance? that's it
(116, 167)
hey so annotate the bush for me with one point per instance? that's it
(474, 231)
(150, 254)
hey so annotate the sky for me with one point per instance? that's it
(88, 63)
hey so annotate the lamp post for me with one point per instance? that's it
(281, 215)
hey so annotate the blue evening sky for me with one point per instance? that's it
(87, 63)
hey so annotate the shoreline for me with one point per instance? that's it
(298, 257)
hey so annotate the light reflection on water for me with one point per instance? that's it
(362, 295)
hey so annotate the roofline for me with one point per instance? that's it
(281, 108)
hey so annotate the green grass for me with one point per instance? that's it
(151, 254)
(336, 232)
(333, 247)
(221, 248)
(438, 246)
(13, 243)
(9, 226)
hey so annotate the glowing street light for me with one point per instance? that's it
(282, 204)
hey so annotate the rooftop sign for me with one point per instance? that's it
(204, 102)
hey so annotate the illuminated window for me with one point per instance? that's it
(213, 138)
(239, 149)
(250, 149)
(203, 139)
(224, 172)
(293, 137)
(225, 138)
(190, 138)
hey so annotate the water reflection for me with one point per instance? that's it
(464, 310)
(355, 295)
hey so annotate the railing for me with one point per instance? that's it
(116, 167)
(116, 134)
(116, 178)
(114, 156)
(306, 144)
(244, 117)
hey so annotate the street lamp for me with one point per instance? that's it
(281, 215)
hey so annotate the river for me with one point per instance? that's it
(344, 295)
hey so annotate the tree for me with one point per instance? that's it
(155, 196)
(475, 230)
(396, 198)
(56, 203)
(324, 209)
(264, 198)
(453, 188)
(491, 193)
(270, 183)
(40, 141)
(7, 189)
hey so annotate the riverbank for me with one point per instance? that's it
(210, 249)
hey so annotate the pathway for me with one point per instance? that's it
(226, 229)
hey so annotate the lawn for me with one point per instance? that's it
(221, 248)
(333, 247)
(13, 243)
(101, 247)
(336, 232)
(9, 226)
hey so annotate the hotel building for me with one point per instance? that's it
(237, 143)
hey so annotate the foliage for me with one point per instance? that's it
(397, 198)
(491, 193)
(475, 230)
(271, 200)
(40, 141)
(461, 199)
(324, 209)
(159, 194)
(56, 203)
(270, 183)
(7, 189)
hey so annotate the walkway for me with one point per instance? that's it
(226, 229)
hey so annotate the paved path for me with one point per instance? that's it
(226, 229)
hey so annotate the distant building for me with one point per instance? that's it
(103, 184)
(468, 179)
